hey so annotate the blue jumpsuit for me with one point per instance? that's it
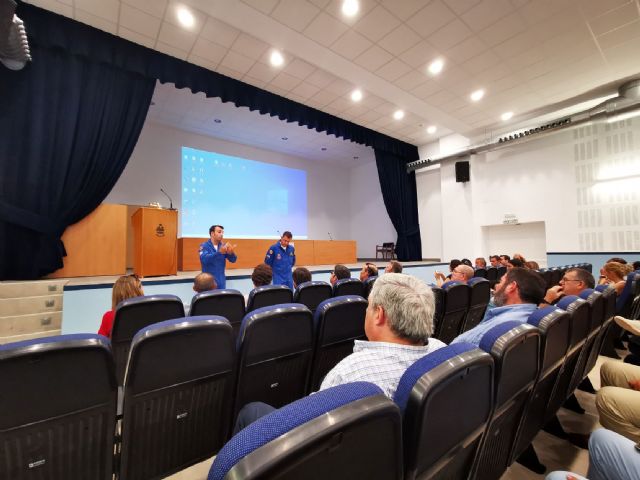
(281, 261)
(213, 262)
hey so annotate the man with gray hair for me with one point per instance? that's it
(398, 324)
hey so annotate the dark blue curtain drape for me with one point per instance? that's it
(401, 199)
(68, 126)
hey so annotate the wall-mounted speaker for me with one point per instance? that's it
(462, 171)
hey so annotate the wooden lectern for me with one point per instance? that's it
(155, 242)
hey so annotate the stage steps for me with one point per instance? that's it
(30, 309)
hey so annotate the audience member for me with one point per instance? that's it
(532, 265)
(398, 324)
(519, 256)
(515, 262)
(339, 272)
(494, 260)
(262, 275)
(481, 263)
(393, 267)
(204, 282)
(516, 297)
(504, 259)
(467, 262)
(439, 276)
(368, 270)
(614, 274)
(611, 457)
(618, 400)
(573, 282)
(462, 273)
(127, 286)
(636, 265)
(301, 275)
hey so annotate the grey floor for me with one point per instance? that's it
(555, 453)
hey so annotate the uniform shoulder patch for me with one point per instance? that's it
(270, 252)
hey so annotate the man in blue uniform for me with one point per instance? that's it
(281, 257)
(214, 254)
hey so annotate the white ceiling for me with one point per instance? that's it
(529, 55)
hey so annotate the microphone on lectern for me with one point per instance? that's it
(279, 234)
(170, 201)
(330, 237)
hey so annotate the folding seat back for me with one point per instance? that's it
(556, 275)
(312, 294)
(348, 286)
(609, 294)
(480, 273)
(596, 317)
(368, 286)
(554, 326)
(492, 275)
(479, 293)
(177, 396)
(58, 407)
(275, 347)
(226, 303)
(268, 295)
(454, 309)
(580, 319)
(442, 427)
(548, 276)
(515, 348)
(132, 315)
(352, 431)
(338, 322)
(625, 299)
(501, 271)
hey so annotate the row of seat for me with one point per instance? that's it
(431, 425)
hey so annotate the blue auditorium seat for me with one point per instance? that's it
(227, 303)
(177, 396)
(348, 286)
(58, 405)
(480, 273)
(348, 432)
(479, 296)
(267, 296)
(446, 399)
(275, 348)
(625, 299)
(132, 315)
(368, 286)
(337, 322)
(515, 348)
(312, 294)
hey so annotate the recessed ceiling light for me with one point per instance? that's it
(506, 116)
(431, 129)
(398, 114)
(324, 149)
(350, 7)
(276, 58)
(285, 138)
(356, 95)
(477, 95)
(436, 66)
(356, 158)
(185, 17)
(217, 120)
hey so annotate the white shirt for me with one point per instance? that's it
(381, 363)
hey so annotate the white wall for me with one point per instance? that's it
(370, 223)
(429, 211)
(582, 183)
(155, 163)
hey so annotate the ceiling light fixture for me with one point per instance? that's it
(356, 95)
(432, 129)
(350, 7)
(276, 58)
(398, 114)
(324, 149)
(185, 17)
(436, 66)
(217, 120)
(477, 95)
(506, 116)
(285, 138)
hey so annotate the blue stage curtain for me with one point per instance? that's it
(68, 126)
(401, 199)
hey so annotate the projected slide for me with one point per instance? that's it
(250, 199)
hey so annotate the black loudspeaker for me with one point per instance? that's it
(462, 171)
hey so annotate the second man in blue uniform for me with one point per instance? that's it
(282, 257)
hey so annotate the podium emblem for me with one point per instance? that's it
(160, 230)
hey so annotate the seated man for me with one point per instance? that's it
(516, 297)
(573, 282)
(339, 272)
(262, 275)
(480, 263)
(504, 260)
(398, 324)
(618, 400)
(368, 270)
(204, 282)
(495, 260)
(301, 275)
(393, 267)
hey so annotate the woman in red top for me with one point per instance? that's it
(127, 286)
